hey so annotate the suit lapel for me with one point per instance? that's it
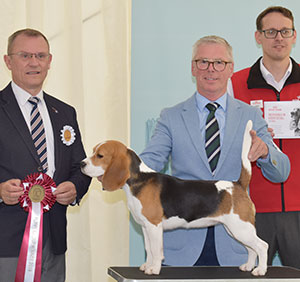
(12, 109)
(191, 121)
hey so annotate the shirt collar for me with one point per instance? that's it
(201, 101)
(269, 77)
(22, 96)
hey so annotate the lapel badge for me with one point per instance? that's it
(67, 135)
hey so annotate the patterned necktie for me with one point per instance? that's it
(212, 137)
(38, 132)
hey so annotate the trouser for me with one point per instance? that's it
(53, 266)
(281, 230)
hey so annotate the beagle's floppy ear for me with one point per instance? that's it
(116, 174)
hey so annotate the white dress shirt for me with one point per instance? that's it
(269, 78)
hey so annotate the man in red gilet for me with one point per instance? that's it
(275, 77)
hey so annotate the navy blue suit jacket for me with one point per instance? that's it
(18, 158)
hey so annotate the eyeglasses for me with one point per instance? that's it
(24, 56)
(272, 33)
(218, 65)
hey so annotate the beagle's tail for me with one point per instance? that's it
(246, 164)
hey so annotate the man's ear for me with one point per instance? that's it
(7, 61)
(50, 60)
(193, 68)
(231, 66)
(294, 37)
(258, 35)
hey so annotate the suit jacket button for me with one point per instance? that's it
(40, 169)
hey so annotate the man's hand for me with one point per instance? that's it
(10, 191)
(258, 149)
(65, 193)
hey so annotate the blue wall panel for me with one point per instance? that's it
(163, 32)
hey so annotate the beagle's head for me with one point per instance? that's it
(109, 163)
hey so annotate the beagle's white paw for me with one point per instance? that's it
(151, 269)
(259, 271)
(246, 267)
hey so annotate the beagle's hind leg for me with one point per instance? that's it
(250, 264)
(261, 248)
(245, 233)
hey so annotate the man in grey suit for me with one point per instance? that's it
(29, 60)
(180, 133)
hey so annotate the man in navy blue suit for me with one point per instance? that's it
(28, 58)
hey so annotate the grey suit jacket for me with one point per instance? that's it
(177, 134)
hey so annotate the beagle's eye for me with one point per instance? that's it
(99, 156)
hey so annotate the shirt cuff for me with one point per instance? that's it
(266, 160)
(74, 203)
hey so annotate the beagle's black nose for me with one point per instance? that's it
(82, 164)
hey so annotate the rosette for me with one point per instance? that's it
(68, 135)
(37, 198)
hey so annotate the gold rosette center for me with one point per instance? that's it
(36, 193)
(67, 135)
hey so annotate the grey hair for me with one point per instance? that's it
(212, 39)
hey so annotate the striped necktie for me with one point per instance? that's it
(212, 137)
(38, 132)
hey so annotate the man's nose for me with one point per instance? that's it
(33, 59)
(211, 66)
(278, 35)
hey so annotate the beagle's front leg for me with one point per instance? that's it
(153, 236)
(149, 258)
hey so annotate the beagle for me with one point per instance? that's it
(160, 202)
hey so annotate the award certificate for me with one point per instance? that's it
(284, 118)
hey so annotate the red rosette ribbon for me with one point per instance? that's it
(37, 198)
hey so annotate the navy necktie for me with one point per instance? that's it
(38, 133)
(212, 137)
